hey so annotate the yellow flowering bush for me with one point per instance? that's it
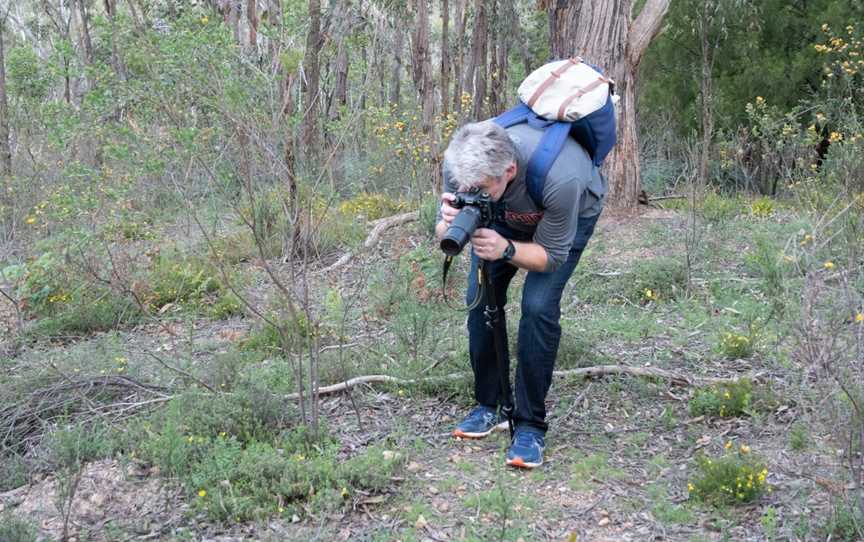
(372, 206)
(724, 400)
(735, 477)
(736, 346)
(762, 208)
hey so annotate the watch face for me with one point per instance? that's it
(509, 251)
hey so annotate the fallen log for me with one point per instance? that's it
(677, 379)
(380, 226)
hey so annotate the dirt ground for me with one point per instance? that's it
(616, 466)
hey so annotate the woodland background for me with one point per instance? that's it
(211, 211)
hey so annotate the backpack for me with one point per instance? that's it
(564, 98)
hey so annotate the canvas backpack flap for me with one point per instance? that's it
(566, 90)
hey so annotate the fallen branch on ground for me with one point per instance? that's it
(380, 226)
(661, 198)
(587, 372)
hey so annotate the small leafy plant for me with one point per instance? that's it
(736, 345)
(724, 400)
(736, 477)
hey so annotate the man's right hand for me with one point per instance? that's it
(448, 212)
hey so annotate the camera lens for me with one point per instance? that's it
(460, 230)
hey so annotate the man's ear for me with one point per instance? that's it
(510, 172)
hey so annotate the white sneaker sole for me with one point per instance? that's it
(462, 434)
(518, 462)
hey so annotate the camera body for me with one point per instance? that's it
(477, 211)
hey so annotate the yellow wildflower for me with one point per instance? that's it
(859, 317)
(745, 449)
(728, 444)
(202, 493)
(690, 487)
(828, 265)
(31, 220)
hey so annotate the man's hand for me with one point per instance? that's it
(448, 213)
(488, 244)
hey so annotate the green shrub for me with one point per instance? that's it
(371, 206)
(238, 461)
(15, 529)
(191, 281)
(736, 346)
(658, 279)
(65, 301)
(735, 477)
(845, 522)
(717, 208)
(724, 400)
(73, 445)
(799, 436)
(762, 207)
(13, 472)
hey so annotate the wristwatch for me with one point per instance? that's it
(509, 251)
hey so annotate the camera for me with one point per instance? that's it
(476, 212)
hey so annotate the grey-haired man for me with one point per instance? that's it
(547, 241)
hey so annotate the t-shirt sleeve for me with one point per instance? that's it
(448, 184)
(557, 228)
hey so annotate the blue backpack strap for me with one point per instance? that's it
(554, 136)
(543, 157)
(512, 117)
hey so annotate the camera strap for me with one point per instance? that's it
(495, 321)
(448, 261)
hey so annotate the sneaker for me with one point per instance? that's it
(526, 449)
(481, 421)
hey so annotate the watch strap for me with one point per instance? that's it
(509, 251)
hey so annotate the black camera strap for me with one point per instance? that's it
(448, 261)
(495, 321)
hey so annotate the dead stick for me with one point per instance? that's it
(598, 370)
(372, 240)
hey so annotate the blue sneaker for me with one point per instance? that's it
(481, 421)
(526, 449)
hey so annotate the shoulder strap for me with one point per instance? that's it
(554, 136)
(511, 117)
(543, 157)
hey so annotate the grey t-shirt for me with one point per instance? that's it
(573, 188)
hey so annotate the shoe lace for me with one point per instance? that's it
(477, 413)
(526, 439)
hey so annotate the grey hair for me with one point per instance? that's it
(479, 150)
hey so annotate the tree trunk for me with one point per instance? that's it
(445, 57)
(476, 77)
(396, 76)
(5, 143)
(499, 57)
(116, 60)
(310, 86)
(85, 32)
(707, 95)
(252, 15)
(422, 64)
(458, 54)
(604, 33)
(340, 85)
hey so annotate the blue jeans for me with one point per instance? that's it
(539, 330)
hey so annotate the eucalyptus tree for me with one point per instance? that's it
(606, 32)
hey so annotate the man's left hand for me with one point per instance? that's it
(488, 244)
